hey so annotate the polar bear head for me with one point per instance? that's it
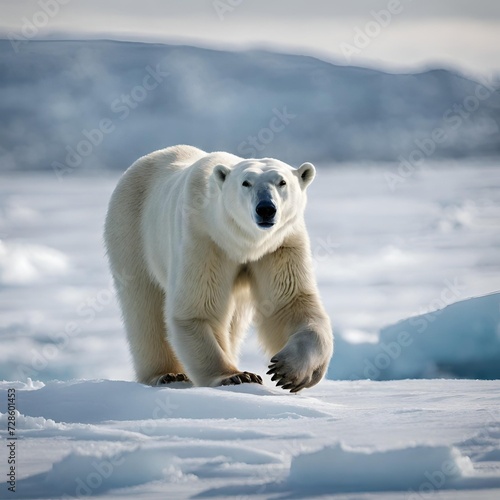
(263, 195)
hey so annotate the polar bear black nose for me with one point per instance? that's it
(266, 210)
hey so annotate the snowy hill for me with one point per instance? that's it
(124, 440)
(101, 104)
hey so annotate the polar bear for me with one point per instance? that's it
(199, 245)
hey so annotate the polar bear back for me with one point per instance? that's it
(173, 193)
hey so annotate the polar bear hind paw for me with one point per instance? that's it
(242, 378)
(169, 378)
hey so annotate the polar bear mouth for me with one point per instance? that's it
(265, 225)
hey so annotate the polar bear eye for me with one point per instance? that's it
(282, 183)
(245, 184)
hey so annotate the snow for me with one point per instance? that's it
(25, 264)
(337, 468)
(426, 251)
(461, 340)
(124, 440)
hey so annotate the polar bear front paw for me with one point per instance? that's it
(169, 378)
(242, 378)
(287, 377)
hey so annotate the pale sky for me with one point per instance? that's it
(396, 35)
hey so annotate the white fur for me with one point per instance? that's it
(192, 267)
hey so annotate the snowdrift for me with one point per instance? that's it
(461, 340)
(336, 468)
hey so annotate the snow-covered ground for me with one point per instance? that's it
(381, 255)
(358, 439)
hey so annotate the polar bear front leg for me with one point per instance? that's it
(206, 362)
(291, 320)
(199, 314)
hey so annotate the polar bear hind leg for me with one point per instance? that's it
(154, 360)
(141, 299)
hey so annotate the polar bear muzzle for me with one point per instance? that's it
(265, 214)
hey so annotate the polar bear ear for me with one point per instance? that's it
(306, 173)
(220, 174)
